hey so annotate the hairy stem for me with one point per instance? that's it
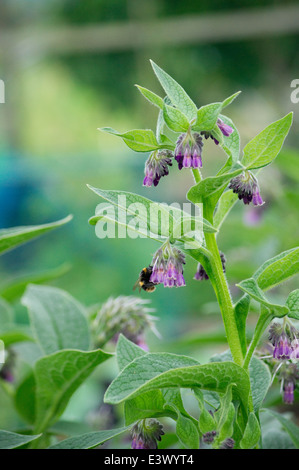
(263, 321)
(221, 289)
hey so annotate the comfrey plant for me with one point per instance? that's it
(63, 337)
(149, 383)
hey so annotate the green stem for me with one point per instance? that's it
(221, 289)
(196, 175)
(263, 321)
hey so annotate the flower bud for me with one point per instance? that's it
(156, 166)
(146, 433)
(224, 128)
(201, 274)
(209, 437)
(247, 188)
(126, 315)
(227, 444)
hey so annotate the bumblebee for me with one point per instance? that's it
(143, 282)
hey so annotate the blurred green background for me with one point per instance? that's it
(70, 67)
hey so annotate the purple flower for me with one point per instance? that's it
(168, 267)
(282, 349)
(201, 274)
(188, 150)
(209, 437)
(295, 349)
(225, 128)
(289, 375)
(247, 188)
(227, 444)
(281, 336)
(156, 166)
(146, 433)
(288, 392)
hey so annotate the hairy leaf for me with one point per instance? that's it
(12, 237)
(57, 319)
(262, 150)
(175, 92)
(89, 440)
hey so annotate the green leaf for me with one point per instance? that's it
(278, 269)
(57, 377)
(225, 204)
(293, 304)
(25, 398)
(14, 289)
(252, 433)
(89, 440)
(156, 371)
(241, 312)
(12, 440)
(151, 96)
(12, 237)
(289, 426)
(150, 404)
(210, 186)
(277, 440)
(230, 99)
(147, 405)
(251, 288)
(262, 150)
(150, 218)
(206, 421)
(260, 378)
(14, 333)
(140, 140)
(6, 313)
(226, 426)
(58, 320)
(231, 144)
(127, 351)
(175, 119)
(154, 218)
(207, 117)
(225, 415)
(175, 92)
(186, 431)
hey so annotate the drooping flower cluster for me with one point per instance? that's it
(285, 349)
(201, 274)
(227, 444)
(188, 150)
(126, 315)
(146, 433)
(284, 338)
(246, 187)
(224, 128)
(156, 166)
(209, 437)
(167, 266)
(289, 376)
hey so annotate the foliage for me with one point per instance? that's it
(148, 383)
